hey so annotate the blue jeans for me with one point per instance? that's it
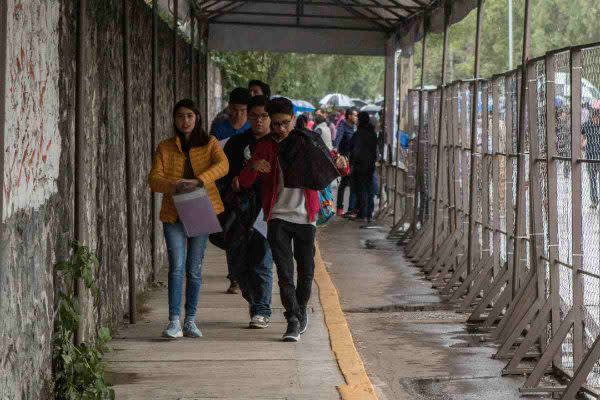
(254, 275)
(185, 255)
(345, 182)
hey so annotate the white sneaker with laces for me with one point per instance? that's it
(259, 322)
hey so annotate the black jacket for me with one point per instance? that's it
(241, 209)
(364, 151)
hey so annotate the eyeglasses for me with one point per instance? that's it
(282, 124)
(254, 117)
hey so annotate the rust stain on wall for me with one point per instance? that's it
(32, 141)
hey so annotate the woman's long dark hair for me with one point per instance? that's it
(302, 122)
(364, 121)
(199, 136)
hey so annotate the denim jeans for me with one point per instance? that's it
(346, 182)
(282, 235)
(255, 275)
(185, 255)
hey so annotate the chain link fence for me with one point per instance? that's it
(535, 228)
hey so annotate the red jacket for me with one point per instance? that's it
(267, 150)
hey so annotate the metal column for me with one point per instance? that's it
(154, 139)
(129, 181)
(193, 59)
(80, 144)
(175, 52)
(204, 58)
(199, 64)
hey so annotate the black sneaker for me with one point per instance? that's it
(292, 334)
(303, 321)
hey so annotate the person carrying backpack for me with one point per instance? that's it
(291, 166)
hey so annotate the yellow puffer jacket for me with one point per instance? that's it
(209, 163)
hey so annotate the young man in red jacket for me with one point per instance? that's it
(291, 215)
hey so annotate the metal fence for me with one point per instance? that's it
(523, 202)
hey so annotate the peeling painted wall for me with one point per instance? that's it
(37, 224)
(32, 142)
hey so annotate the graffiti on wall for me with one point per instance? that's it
(32, 140)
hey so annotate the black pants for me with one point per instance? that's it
(364, 189)
(593, 173)
(282, 235)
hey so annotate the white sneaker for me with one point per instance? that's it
(259, 322)
(173, 330)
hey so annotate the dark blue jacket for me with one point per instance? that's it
(343, 138)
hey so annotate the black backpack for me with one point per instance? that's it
(305, 161)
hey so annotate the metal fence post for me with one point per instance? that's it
(551, 184)
(129, 181)
(536, 196)
(496, 235)
(397, 161)
(418, 177)
(473, 144)
(436, 201)
(576, 203)
(508, 178)
(521, 132)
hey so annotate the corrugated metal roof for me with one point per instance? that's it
(358, 15)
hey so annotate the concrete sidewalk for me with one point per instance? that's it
(412, 346)
(229, 361)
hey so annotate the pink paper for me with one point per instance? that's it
(196, 213)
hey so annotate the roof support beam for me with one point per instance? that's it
(320, 16)
(361, 14)
(324, 3)
(225, 10)
(410, 9)
(391, 11)
(342, 28)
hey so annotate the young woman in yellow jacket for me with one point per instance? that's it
(190, 159)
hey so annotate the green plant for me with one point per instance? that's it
(78, 369)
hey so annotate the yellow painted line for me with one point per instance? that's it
(358, 385)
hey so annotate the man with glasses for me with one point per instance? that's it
(290, 213)
(251, 259)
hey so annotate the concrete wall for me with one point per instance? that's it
(38, 170)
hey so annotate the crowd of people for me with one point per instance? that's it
(263, 168)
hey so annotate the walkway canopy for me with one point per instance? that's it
(348, 27)
(352, 27)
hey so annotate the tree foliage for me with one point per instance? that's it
(554, 24)
(304, 76)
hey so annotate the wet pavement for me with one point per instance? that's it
(413, 345)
